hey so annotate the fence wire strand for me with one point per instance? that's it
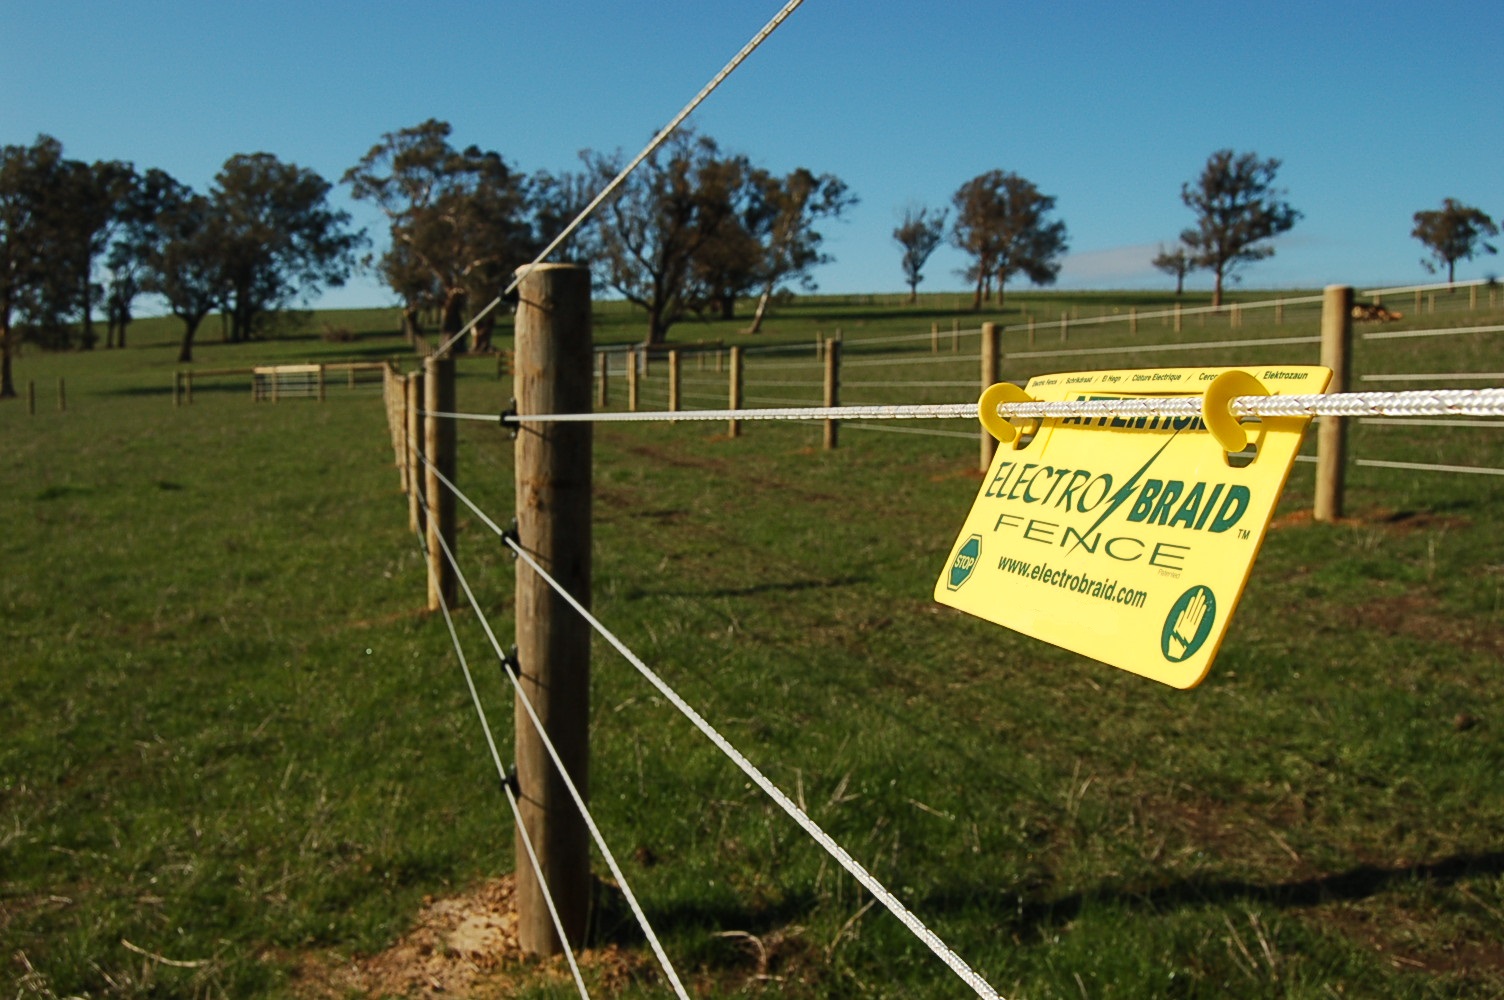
(909, 920)
(553, 753)
(506, 785)
(616, 182)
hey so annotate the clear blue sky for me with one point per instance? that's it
(1377, 109)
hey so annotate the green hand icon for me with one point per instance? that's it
(1187, 625)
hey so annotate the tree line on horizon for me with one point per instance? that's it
(689, 233)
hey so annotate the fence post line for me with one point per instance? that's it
(934, 338)
(1331, 432)
(632, 379)
(553, 646)
(603, 397)
(832, 391)
(734, 426)
(413, 398)
(1133, 319)
(1065, 326)
(992, 373)
(438, 445)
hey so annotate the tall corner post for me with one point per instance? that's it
(438, 448)
(1331, 432)
(553, 480)
(992, 373)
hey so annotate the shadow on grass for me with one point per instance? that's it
(1360, 883)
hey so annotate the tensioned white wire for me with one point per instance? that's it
(835, 850)
(506, 787)
(647, 151)
(1412, 403)
(917, 927)
(574, 792)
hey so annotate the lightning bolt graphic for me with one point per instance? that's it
(1122, 495)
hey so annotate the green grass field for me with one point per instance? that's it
(230, 738)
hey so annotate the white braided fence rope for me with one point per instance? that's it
(1411, 403)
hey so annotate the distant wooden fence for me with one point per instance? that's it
(273, 383)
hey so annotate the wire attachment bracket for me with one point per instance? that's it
(508, 418)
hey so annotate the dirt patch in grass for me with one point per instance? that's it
(463, 945)
(1419, 616)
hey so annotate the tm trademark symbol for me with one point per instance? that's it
(1244, 533)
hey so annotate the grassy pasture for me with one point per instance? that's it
(229, 738)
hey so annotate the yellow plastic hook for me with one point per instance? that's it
(995, 394)
(1216, 407)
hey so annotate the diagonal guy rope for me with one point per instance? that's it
(616, 182)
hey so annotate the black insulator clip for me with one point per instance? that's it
(511, 784)
(510, 538)
(508, 419)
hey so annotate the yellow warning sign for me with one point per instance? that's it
(1127, 539)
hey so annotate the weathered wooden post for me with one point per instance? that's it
(412, 391)
(1133, 319)
(1177, 317)
(1331, 432)
(438, 447)
(1065, 326)
(675, 373)
(553, 645)
(992, 373)
(603, 396)
(934, 338)
(832, 391)
(632, 391)
(734, 426)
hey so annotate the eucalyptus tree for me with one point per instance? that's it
(1238, 212)
(919, 235)
(1455, 232)
(647, 238)
(459, 218)
(1003, 222)
(281, 238)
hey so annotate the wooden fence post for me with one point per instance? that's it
(1331, 432)
(321, 383)
(1133, 319)
(603, 396)
(734, 426)
(832, 391)
(675, 374)
(992, 373)
(412, 392)
(553, 645)
(632, 390)
(934, 338)
(438, 446)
